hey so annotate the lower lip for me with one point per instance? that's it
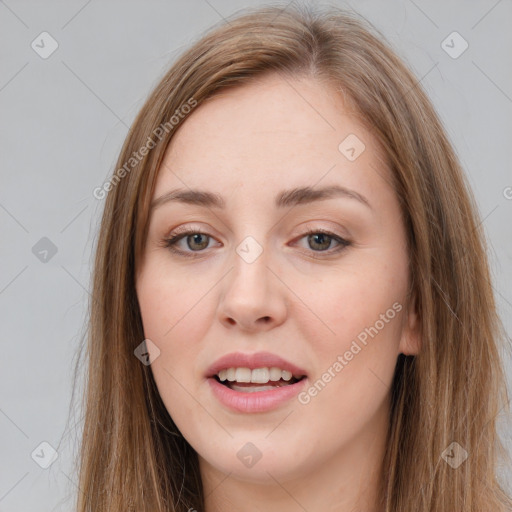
(257, 401)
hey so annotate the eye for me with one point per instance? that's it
(320, 240)
(196, 241)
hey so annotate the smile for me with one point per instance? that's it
(252, 383)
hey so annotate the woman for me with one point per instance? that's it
(291, 307)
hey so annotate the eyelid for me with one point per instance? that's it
(186, 228)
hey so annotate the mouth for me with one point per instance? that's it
(245, 380)
(254, 383)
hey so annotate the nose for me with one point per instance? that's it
(254, 296)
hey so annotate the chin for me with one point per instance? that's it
(256, 461)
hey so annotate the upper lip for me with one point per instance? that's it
(252, 361)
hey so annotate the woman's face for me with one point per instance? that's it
(252, 290)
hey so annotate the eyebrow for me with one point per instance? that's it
(292, 197)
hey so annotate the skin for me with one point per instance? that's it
(295, 300)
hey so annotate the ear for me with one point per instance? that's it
(410, 340)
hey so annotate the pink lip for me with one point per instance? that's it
(258, 401)
(252, 361)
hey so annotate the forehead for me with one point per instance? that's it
(275, 133)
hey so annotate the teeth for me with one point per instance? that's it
(275, 373)
(243, 375)
(260, 375)
(286, 375)
(257, 376)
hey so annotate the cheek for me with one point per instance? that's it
(351, 303)
(175, 319)
(171, 304)
(356, 340)
(357, 336)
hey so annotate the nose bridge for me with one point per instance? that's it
(250, 271)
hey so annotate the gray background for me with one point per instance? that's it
(63, 120)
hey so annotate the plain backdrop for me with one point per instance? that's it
(63, 118)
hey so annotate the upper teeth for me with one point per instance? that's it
(258, 375)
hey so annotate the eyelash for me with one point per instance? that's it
(169, 243)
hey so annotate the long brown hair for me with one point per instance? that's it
(133, 457)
